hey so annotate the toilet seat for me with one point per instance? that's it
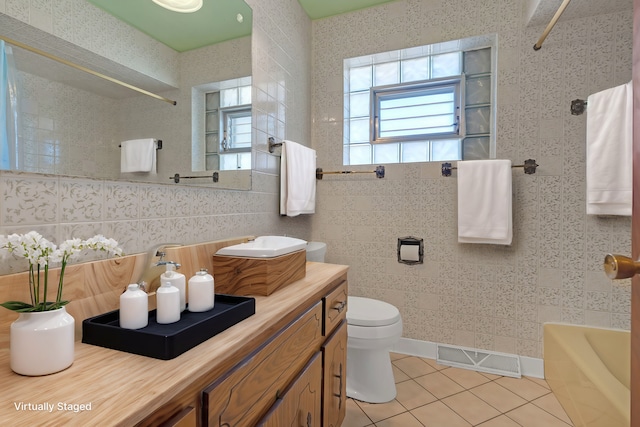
(368, 312)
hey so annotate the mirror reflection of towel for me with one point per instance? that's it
(138, 155)
(297, 179)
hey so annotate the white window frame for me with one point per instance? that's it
(408, 90)
(227, 143)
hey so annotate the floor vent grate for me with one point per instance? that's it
(479, 360)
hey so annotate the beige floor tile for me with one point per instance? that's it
(498, 397)
(501, 421)
(437, 414)
(523, 387)
(435, 365)
(465, 377)
(530, 415)
(414, 366)
(539, 381)
(470, 407)
(398, 375)
(402, 420)
(411, 394)
(355, 417)
(380, 411)
(397, 356)
(491, 376)
(551, 404)
(439, 385)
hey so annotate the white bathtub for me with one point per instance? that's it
(588, 370)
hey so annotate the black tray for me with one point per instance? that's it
(166, 341)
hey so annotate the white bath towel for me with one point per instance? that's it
(485, 202)
(138, 155)
(297, 179)
(609, 151)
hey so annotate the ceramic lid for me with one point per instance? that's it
(370, 312)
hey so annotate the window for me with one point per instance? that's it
(228, 112)
(430, 103)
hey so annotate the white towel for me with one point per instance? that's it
(297, 179)
(609, 151)
(484, 202)
(138, 155)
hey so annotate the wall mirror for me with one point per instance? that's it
(72, 123)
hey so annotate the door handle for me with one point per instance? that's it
(620, 266)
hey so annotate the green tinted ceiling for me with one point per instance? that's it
(214, 23)
(317, 9)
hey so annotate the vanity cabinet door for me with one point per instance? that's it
(244, 395)
(335, 308)
(300, 404)
(186, 418)
(334, 399)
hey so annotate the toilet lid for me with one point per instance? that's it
(370, 312)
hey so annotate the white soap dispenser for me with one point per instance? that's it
(201, 292)
(178, 280)
(167, 299)
(134, 308)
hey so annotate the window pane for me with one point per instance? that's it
(360, 78)
(359, 130)
(244, 160)
(360, 154)
(445, 149)
(212, 101)
(386, 153)
(478, 91)
(478, 120)
(359, 104)
(386, 74)
(228, 161)
(212, 124)
(245, 95)
(415, 152)
(415, 69)
(476, 148)
(477, 61)
(228, 97)
(445, 65)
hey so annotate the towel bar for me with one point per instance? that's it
(158, 145)
(529, 166)
(176, 178)
(379, 172)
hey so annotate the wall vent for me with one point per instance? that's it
(479, 360)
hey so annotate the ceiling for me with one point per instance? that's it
(214, 23)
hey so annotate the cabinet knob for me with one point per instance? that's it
(340, 306)
(308, 419)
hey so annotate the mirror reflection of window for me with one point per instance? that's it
(228, 128)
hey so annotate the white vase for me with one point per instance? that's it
(42, 342)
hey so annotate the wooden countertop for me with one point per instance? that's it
(118, 388)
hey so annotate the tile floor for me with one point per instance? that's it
(433, 395)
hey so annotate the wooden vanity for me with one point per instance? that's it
(285, 365)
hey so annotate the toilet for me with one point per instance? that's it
(373, 327)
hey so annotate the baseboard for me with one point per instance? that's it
(529, 366)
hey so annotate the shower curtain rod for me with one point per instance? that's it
(553, 21)
(86, 70)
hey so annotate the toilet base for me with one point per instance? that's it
(370, 375)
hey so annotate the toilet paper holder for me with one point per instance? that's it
(410, 250)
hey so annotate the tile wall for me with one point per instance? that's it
(482, 296)
(140, 215)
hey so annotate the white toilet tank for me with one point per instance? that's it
(316, 251)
